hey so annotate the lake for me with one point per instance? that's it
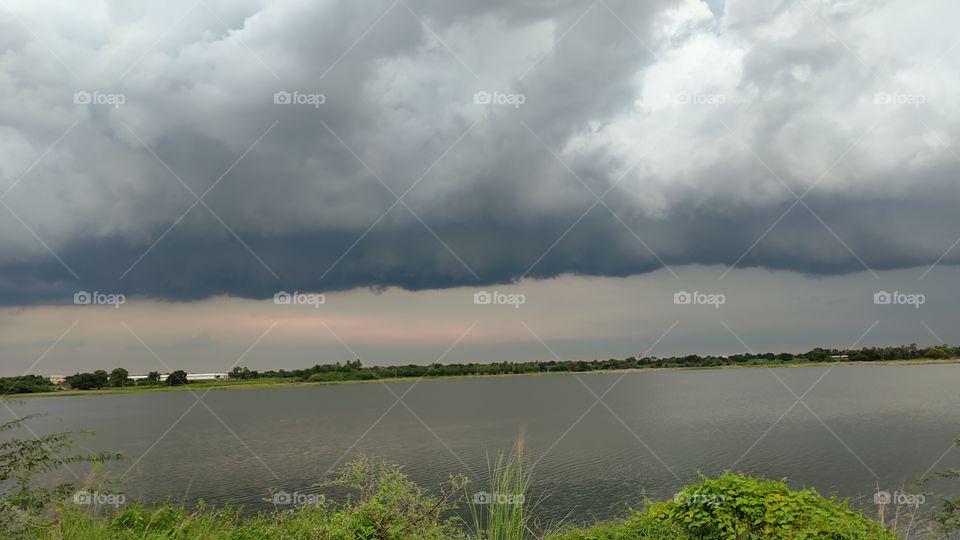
(870, 425)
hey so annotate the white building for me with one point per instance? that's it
(206, 376)
(190, 377)
(57, 379)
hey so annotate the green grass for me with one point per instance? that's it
(505, 512)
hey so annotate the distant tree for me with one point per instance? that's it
(88, 381)
(241, 373)
(153, 378)
(177, 378)
(25, 385)
(119, 377)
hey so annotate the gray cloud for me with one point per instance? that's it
(621, 97)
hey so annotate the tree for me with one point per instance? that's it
(177, 378)
(153, 378)
(88, 381)
(119, 377)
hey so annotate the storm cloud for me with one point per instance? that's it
(238, 148)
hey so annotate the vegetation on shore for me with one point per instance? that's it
(118, 380)
(391, 507)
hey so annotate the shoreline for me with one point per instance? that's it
(283, 383)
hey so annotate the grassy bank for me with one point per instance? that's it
(276, 382)
(392, 508)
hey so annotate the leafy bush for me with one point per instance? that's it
(741, 507)
(738, 507)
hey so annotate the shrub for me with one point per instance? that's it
(738, 506)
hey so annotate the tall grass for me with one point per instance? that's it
(502, 512)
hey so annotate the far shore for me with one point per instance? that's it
(281, 383)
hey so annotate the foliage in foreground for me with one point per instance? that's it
(387, 505)
(391, 507)
(740, 507)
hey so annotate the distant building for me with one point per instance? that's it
(190, 376)
(839, 357)
(206, 376)
(57, 379)
(163, 377)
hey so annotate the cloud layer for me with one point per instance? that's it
(816, 137)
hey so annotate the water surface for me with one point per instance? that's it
(866, 425)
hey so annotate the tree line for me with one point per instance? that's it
(356, 371)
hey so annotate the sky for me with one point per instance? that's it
(616, 178)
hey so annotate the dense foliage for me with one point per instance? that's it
(739, 507)
(27, 384)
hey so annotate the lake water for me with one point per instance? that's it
(870, 425)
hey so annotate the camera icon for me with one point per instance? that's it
(282, 298)
(482, 298)
(282, 98)
(82, 98)
(682, 298)
(482, 98)
(883, 98)
(82, 298)
(881, 497)
(282, 497)
(82, 497)
(882, 298)
(482, 497)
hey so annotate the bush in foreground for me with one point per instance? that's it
(739, 507)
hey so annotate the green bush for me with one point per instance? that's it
(738, 507)
(741, 507)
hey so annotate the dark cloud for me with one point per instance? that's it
(620, 97)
